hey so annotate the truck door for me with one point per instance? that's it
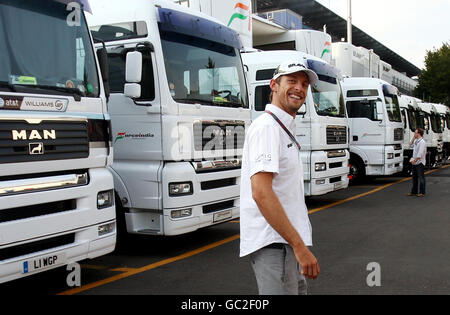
(367, 128)
(136, 123)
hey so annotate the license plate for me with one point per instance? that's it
(223, 215)
(337, 185)
(43, 262)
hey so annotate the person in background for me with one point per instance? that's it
(418, 162)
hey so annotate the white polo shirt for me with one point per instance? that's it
(268, 148)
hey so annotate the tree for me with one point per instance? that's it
(434, 81)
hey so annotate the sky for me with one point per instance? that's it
(408, 27)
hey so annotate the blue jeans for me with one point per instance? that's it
(418, 176)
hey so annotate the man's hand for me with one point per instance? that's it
(308, 262)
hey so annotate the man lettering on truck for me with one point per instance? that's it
(275, 228)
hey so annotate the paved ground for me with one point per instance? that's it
(403, 240)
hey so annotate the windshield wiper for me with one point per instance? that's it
(229, 104)
(76, 93)
(329, 112)
(194, 101)
(7, 85)
(73, 91)
(206, 102)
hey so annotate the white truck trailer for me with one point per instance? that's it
(56, 193)
(433, 134)
(376, 130)
(179, 109)
(444, 114)
(321, 122)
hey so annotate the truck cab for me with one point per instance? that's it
(179, 109)
(376, 129)
(321, 122)
(433, 134)
(56, 192)
(411, 121)
(444, 114)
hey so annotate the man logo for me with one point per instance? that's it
(36, 148)
(33, 134)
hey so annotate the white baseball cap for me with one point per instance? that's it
(289, 67)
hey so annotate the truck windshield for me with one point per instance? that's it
(436, 123)
(413, 118)
(392, 104)
(200, 71)
(442, 122)
(46, 48)
(327, 93)
(424, 122)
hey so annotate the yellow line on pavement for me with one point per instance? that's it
(134, 271)
(127, 272)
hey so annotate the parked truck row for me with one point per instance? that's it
(172, 89)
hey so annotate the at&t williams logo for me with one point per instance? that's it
(125, 135)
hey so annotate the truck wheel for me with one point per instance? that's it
(122, 234)
(357, 171)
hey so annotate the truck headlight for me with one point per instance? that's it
(320, 167)
(106, 229)
(105, 199)
(180, 189)
(390, 155)
(176, 214)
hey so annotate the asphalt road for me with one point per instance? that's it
(369, 239)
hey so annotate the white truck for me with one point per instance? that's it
(321, 123)
(56, 193)
(361, 62)
(433, 133)
(411, 121)
(444, 113)
(376, 130)
(179, 109)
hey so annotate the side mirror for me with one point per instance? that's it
(379, 110)
(102, 56)
(133, 75)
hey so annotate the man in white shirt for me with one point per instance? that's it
(418, 162)
(275, 228)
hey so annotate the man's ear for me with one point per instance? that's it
(273, 85)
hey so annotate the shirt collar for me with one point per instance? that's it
(285, 118)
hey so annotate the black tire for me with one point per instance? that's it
(357, 171)
(121, 226)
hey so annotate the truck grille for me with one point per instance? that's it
(336, 135)
(21, 141)
(33, 247)
(32, 211)
(398, 134)
(218, 135)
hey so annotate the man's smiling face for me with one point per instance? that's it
(289, 91)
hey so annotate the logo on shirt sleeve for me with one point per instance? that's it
(266, 157)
